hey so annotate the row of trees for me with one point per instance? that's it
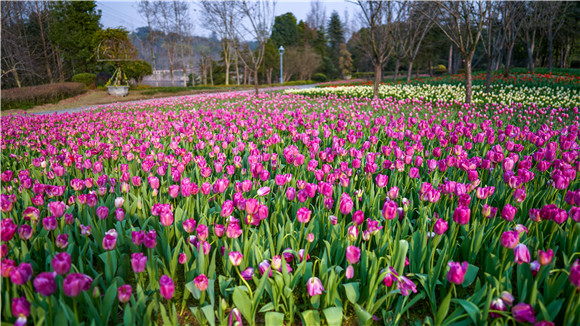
(396, 29)
(46, 41)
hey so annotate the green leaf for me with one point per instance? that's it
(311, 318)
(470, 275)
(243, 303)
(333, 316)
(274, 318)
(209, 314)
(471, 309)
(191, 287)
(443, 308)
(352, 291)
(363, 316)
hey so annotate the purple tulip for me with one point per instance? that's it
(235, 258)
(24, 232)
(575, 274)
(102, 212)
(346, 204)
(56, 208)
(44, 283)
(75, 283)
(150, 239)
(352, 254)
(124, 292)
(508, 212)
(109, 242)
(303, 215)
(545, 257)
(358, 217)
(440, 226)
(235, 318)
(201, 282)
(62, 241)
(521, 254)
(248, 273)
(381, 180)
(314, 286)
(138, 262)
(524, 313)
(457, 272)
(21, 310)
(390, 210)
(461, 215)
(61, 263)
(499, 305)
(405, 285)
(166, 287)
(22, 274)
(349, 272)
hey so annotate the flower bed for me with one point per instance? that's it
(285, 209)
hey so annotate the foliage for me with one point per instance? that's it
(26, 97)
(285, 30)
(137, 70)
(73, 26)
(90, 80)
(319, 77)
(387, 210)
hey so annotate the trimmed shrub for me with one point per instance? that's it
(137, 70)
(26, 97)
(319, 77)
(439, 69)
(90, 80)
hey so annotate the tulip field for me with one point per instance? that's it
(308, 207)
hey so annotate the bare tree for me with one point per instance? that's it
(462, 23)
(220, 16)
(181, 27)
(553, 19)
(376, 38)
(145, 8)
(164, 21)
(301, 62)
(417, 27)
(512, 14)
(256, 24)
(530, 23)
(492, 41)
(316, 17)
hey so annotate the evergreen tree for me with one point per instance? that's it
(72, 29)
(285, 30)
(335, 39)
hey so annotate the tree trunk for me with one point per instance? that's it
(450, 62)
(171, 69)
(378, 72)
(468, 88)
(44, 48)
(237, 70)
(550, 51)
(409, 72)
(488, 75)
(396, 72)
(456, 61)
(16, 77)
(508, 60)
(256, 80)
(430, 68)
(210, 67)
(269, 76)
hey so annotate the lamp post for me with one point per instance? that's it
(281, 51)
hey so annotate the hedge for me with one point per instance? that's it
(26, 97)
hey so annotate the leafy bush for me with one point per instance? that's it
(90, 80)
(27, 97)
(439, 69)
(138, 70)
(318, 77)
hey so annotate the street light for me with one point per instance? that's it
(281, 51)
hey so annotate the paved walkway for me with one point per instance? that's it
(267, 89)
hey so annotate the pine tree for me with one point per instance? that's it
(335, 39)
(72, 29)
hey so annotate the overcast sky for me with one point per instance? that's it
(124, 13)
